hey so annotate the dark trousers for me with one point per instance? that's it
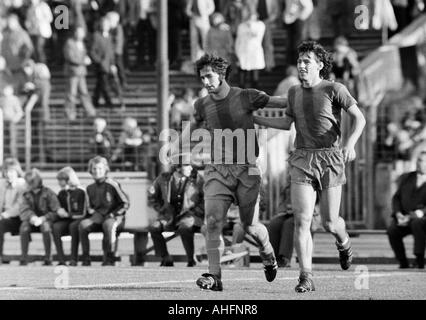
(175, 46)
(66, 227)
(77, 88)
(281, 231)
(416, 227)
(249, 78)
(102, 87)
(185, 228)
(108, 226)
(146, 42)
(25, 231)
(294, 38)
(39, 53)
(8, 225)
(119, 62)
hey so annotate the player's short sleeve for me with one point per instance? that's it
(342, 97)
(256, 99)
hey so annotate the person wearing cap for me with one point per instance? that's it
(38, 209)
(177, 196)
(107, 205)
(12, 187)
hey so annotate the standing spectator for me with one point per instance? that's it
(16, 46)
(176, 10)
(199, 12)
(102, 54)
(37, 79)
(38, 209)
(107, 206)
(291, 79)
(73, 201)
(219, 38)
(268, 12)
(295, 16)
(249, 50)
(182, 109)
(147, 33)
(12, 113)
(12, 187)
(128, 144)
(178, 198)
(408, 208)
(117, 35)
(345, 63)
(129, 16)
(37, 23)
(76, 62)
(233, 13)
(102, 140)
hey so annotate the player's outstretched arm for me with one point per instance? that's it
(358, 124)
(282, 123)
(276, 102)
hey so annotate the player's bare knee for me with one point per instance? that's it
(212, 224)
(303, 224)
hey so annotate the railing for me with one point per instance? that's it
(28, 129)
(1, 137)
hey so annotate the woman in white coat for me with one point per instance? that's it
(249, 50)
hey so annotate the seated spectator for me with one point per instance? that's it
(76, 62)
(177, 196)
(128, 145)
(73, 202)
(38, 209)
(37, 80)
(408, 208)
(102, 139)
(12, 187)
(107, 206)
(38, 20)
(281, 229)
(291, 79)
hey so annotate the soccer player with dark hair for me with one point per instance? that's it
(107, 206)
(233, 176)
(318, 163)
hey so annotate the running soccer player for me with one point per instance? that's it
(231, 177)
(318, 162)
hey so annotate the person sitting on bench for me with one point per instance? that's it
(38, 209)
(177, 196)
(12, 188)
(107, 206)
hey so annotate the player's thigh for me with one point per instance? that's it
(330, 203)
(303, 198)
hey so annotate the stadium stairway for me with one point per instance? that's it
(66, 142)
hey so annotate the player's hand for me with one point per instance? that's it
(349, 153)
(113, 69)
(87, 61)
(402, 219)
(417, 214)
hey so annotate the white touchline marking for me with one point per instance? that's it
(139, 284)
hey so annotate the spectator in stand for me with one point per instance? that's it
(107, 206)
(128, 146)
(178, 198)
(102, 140)
(129, 16)
(5, 75)
(182, 109)
(147, 33)
(11, 106)
(408, 208)
(37, 211)
(18, 8)
(102, 54)
(39, 17)
(291, 79)
(249, 50)
(268, 12)
(12, 188)
(176, 10)
(295, 16)
(16, 46)
(199, 12)
(219, 38)
(37, 79)
(340, 13)
(73, 201)
(233, 13)
(76, 62)
(345, 65)
(117, 35)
